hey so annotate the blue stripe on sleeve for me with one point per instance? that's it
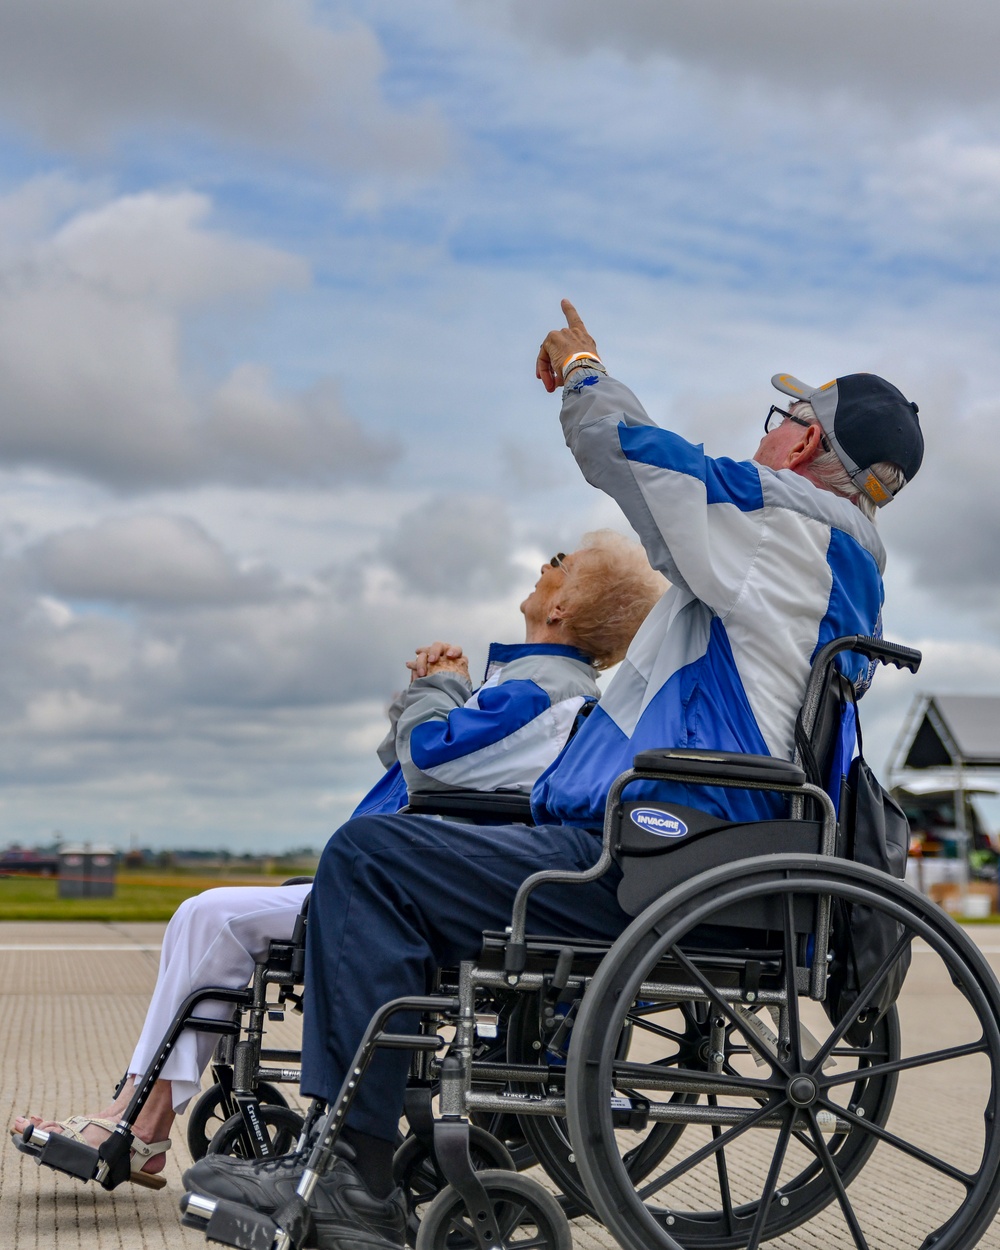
(702, 704)
(726, 481)
(502, 710)
(855, 603)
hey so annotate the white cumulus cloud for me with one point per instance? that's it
(81, 76)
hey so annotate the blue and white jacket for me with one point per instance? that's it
(444, 737)
(765, 568)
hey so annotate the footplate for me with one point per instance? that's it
(233, 1224)
(109, 1163)
(56, 1150)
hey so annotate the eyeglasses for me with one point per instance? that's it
(770, 424)
(558, 560)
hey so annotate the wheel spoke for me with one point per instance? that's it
(540, 1240)
(723, 1173)
(714, 997)
(871, 989)
(791, 989)
(907, 1148)
(723, 1140)
(511, 1222)
(461, 1224)
(647, 1026)
(767, 1197)
(658, 1030)
(830, 1167)
(903, 1065)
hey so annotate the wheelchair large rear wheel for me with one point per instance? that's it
(793, 1124)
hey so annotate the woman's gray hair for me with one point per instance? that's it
(609, 591)
(829, 471)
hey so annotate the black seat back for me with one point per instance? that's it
(660, 845)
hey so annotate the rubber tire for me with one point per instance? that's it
(518, 1195)
(417, 1174)
(207, 1108)
(661, 928)
(285, 1123)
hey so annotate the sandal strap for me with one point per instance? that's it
(75, 1125)
(145, 1150)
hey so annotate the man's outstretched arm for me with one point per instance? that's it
(667, 487)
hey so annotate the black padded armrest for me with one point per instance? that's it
(512, 806)
(719, 765)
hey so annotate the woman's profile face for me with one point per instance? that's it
(548, 589)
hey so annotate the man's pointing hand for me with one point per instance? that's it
(559, 345)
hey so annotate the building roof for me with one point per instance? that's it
(944, 731)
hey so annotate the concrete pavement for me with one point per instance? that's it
(72, 999)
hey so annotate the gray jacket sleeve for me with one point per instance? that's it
(424, 699)
(502, 737)
(590, 418)
(386, 749)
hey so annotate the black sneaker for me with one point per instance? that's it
(345, 1215)
(274, 1166)
(196, 1177)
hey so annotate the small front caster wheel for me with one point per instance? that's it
(520, 1214)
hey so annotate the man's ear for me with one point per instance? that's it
(556, 613)
(806, 449)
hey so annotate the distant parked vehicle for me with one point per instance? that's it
(18, 860)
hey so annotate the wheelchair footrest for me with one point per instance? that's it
(56, 1150)
(229, 1223)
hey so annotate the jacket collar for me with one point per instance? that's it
(502, 653)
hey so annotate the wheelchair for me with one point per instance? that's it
(243, 1112)
(696, 1084)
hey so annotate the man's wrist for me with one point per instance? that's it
(584, 368)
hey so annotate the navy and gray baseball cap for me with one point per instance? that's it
(866, 420)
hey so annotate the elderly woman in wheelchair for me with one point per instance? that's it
(444, 738)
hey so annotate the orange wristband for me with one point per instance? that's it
(580, 356)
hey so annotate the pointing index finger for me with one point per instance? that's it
(573, 318)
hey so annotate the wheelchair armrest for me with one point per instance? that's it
(719, 766)
(513, 806)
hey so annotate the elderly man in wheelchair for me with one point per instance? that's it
(693, 1046)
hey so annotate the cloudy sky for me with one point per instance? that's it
(272, 278)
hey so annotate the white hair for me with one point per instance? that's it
(609, 591)
(829, 472)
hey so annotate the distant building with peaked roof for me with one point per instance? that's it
(958, 731)
(939, 768)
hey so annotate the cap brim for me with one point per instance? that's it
(792, 386)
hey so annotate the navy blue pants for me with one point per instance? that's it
(397, 897)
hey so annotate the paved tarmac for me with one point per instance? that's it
(72, 999)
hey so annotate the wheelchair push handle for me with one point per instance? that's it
(876, 649)
(872, 649)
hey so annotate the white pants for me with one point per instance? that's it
(214, 938)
